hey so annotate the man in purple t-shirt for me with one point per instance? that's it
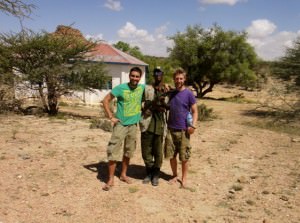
(182, 101)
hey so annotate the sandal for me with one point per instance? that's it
(126, 180)
(107, 187)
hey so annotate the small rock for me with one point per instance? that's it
(230, 196)
(24, 156)
(295, 139)
(237, 187)
(242, 179)
(250, 202)
(253, 177)
(284, 198)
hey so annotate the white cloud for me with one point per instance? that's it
(97, 37)
(261, 28)
(268, 44)
(113, 5)
(228, 2)
(262, 35)
(129, 31)
(154, 45)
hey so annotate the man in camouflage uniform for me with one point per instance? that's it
(153, 127)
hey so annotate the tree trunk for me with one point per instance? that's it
(207, 90)
(43, 98)
(52, 101)
(202, 85)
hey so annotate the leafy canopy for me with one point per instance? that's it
(55, 62)
(211, 56)
(288, 67)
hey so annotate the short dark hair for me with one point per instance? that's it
(137, 69)
(157, 71)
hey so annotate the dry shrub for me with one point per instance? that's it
(7, 101)
(204, 113)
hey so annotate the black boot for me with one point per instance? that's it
(148, 177)
(155, 176)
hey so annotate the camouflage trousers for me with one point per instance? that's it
(152, 151)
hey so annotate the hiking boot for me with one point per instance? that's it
(148, 177)
(155, 177)
(154, 181)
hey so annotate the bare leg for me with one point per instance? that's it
(184, 173)
(125, 164)
(173, 163)
(111, 174)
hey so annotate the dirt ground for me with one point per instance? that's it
(53, 170)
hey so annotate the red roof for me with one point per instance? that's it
(109, 54)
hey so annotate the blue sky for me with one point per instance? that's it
(272, 25)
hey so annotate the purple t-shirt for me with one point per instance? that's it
(180, 105)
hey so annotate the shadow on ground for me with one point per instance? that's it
(134, 171)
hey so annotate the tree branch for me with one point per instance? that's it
(16, 8)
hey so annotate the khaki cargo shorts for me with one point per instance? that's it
(122, 135)
(177, 142)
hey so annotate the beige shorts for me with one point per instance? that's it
(122, 135)
(178, 142)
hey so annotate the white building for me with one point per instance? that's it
(118, 65)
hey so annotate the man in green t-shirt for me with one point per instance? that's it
(129, 101)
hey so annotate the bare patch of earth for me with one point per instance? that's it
(53, 170)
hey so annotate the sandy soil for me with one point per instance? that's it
(53, 170)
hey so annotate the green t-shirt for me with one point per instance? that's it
(129, 103)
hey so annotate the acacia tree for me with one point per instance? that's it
(288, 67)
(54, 65)
(213, 56)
